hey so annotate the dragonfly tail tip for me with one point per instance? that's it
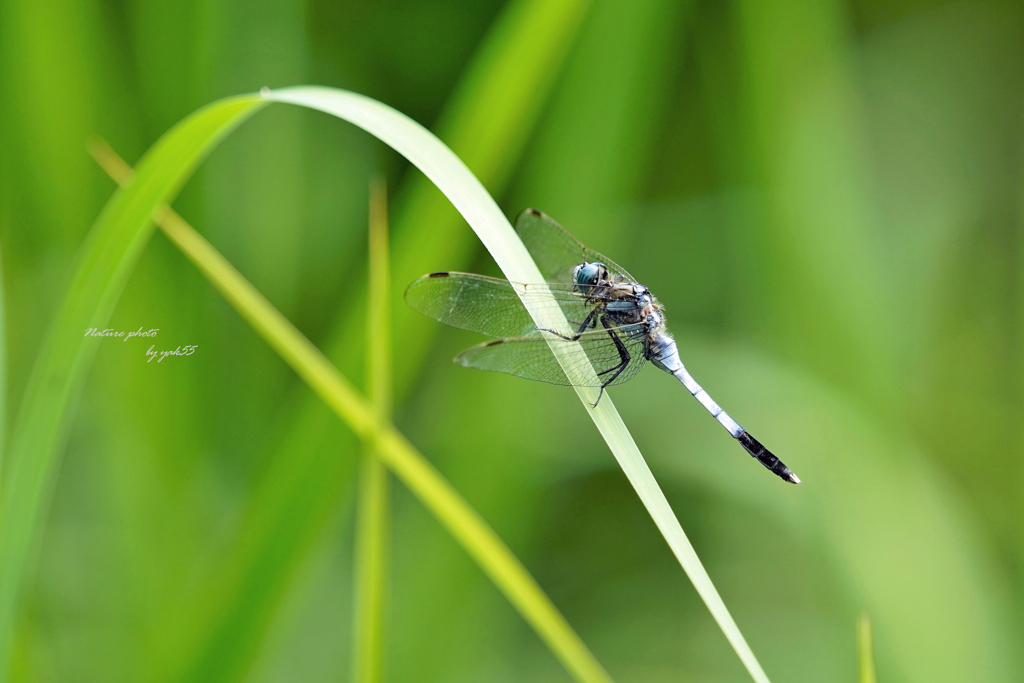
(766, 457)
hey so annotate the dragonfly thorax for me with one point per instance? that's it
(651, 310)
(629, 304)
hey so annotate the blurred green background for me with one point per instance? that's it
(827, 197)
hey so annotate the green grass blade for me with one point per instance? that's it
(865, 650)
(372, 537)
(104, 264)
(465, 191)
(393, 449)
(378, 318)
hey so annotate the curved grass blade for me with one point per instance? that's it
(372, 537)
(455, 180)
(386, 443)
(104, 263)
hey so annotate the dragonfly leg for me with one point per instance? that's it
(589, 322)
(624, 358)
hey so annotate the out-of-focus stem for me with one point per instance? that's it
(864, 647)
(371, 551)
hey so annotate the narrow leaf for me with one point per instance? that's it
(372, 537)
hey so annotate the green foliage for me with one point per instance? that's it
(832, 191)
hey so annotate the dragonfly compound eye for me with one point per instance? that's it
(588, 273)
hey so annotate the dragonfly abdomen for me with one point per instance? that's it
(664, 354)
(670, 362)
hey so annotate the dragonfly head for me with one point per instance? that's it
(589, 274)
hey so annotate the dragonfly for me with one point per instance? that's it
(617, 322)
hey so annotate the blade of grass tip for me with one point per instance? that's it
(479, 540)
(865, 649)
(102, 268)
(469, 196)
(371, 555)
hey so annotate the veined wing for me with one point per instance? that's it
(531, 357)
(556, 251)
(491, 306)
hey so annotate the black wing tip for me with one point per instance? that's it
(463, 358)
(531, 211)
(414, 283)
(440, 273)
(767, 458)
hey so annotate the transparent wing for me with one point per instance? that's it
(556, 251)
(491, 306)
(530, 357)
